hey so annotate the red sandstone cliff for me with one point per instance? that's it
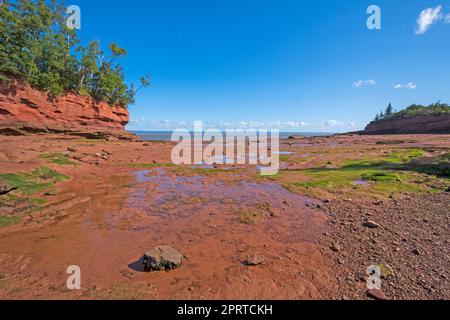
(24, 109)
(425, 124)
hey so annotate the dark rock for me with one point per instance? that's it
(6, 188)
(371, 224)
(162, 258)
(50, 193)
(252, 261)
(70, 149)
(335, 247)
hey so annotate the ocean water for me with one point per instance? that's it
(166, 135)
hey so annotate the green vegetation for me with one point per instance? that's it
(7, 221)
(414, 110)
(247, 216)
(400, 171)
(33, 182)
(438, 166)
(57, 158)
(37, 47)
(150, 165)
(396, 157)
(381, 177)
(22, 200)
(189, 171)
(285, 158)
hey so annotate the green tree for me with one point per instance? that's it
(389, 110)
(37, 47)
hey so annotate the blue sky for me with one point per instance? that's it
(295, 65)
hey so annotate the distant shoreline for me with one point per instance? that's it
(166, 135)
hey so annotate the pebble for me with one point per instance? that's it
(371, 224)
(336, 247)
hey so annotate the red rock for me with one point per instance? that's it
(411, 125)
(23, 108)
(377, 294)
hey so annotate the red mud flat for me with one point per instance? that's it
(123, 199)
(109, 214)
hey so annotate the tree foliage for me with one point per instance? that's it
(36, 47)
(437, 108)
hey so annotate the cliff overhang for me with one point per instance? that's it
(24, 110)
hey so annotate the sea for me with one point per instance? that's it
(167, 135)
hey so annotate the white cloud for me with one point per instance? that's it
(333, 123)
(167, 125)
(364, 83)
(410, 86)
(447, 18)
(427, 18)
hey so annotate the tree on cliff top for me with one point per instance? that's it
(389, 110)
(37, 47)
(435, 109)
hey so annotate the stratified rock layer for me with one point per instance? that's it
(427, 124)
(26, 110)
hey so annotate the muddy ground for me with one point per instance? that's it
(339, 205)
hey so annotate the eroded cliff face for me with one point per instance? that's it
(26, 110)
(436, 124)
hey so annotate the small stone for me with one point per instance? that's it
(70, 149)
(371, 224)
(376, 294)
(417, 252)
(162, 258)
(336, 247)
(5, 188)
(50, 193)
(77, 157)
(253, 261)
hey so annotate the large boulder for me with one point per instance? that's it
(162, 258)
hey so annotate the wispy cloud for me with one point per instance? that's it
(427, 18)
(410, 86)
(447, 18)
(333, 123)
(364, 83)
(167, 125)
(286, 126)
(338, 126)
